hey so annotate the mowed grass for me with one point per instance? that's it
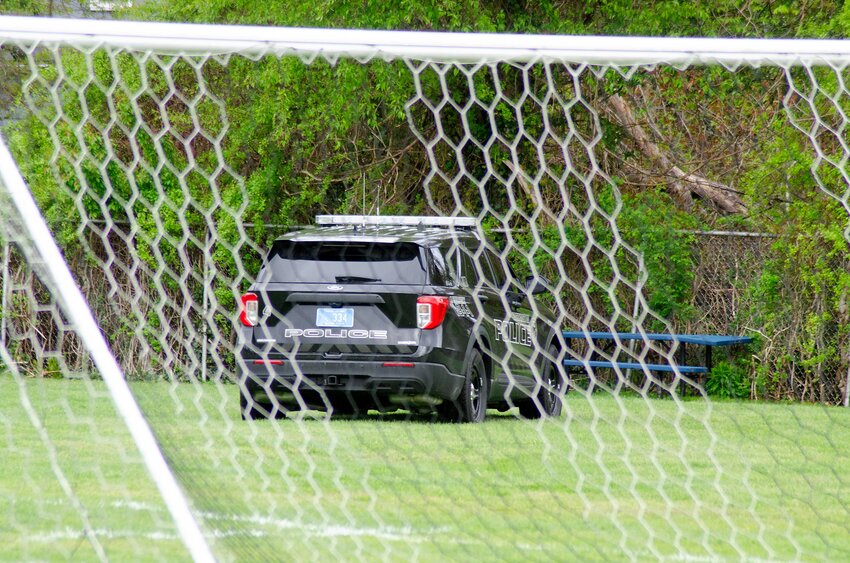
(614, 478)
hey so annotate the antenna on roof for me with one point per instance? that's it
(363, 175)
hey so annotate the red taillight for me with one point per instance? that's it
(269, 362)
(430, 311)
(249, 314)
(399, 364)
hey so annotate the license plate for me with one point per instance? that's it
(336, 318)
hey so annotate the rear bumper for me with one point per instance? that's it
(355, 377)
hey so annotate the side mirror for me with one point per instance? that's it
(535, 285)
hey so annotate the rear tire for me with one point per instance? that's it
(549, 401)
(471, 403)
(342, 406)
(248, 407)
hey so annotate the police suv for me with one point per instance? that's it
(368, 312)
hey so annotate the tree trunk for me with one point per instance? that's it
(684, 184)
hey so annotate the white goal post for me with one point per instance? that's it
(116, 114)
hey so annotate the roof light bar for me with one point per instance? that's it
(461, 222)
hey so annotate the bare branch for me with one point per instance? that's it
(685, 184)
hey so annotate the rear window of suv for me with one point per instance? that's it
(344, 262)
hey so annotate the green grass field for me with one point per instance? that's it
(612, 479)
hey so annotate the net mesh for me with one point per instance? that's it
(137, 160)
(53, 403)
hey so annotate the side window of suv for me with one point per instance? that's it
(467, 268)
(449, 254)
(461, 266)
(442, 272)
(498, 279)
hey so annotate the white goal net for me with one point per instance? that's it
(663, 292)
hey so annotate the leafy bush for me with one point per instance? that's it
(728, 381)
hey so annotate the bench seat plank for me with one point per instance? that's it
(635, 365)
(704, 339)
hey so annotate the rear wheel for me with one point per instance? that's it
(549, 402)
(343, 405)
(471, 404)
(248, 407)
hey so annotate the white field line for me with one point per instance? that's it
(69, 533)
(389, 533)
(333, 530)
(405, 534)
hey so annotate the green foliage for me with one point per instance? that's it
(651, 223)
(728, 381)
(647, 221)
(33, 7)
(800, 300)
(759, 18)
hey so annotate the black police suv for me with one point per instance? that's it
(363, 312)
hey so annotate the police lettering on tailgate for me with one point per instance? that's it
(353, 333)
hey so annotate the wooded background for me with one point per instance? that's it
(691, 151)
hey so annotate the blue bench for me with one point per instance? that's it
(710, 341)
(634, 365)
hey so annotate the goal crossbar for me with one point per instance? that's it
(433, 46)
